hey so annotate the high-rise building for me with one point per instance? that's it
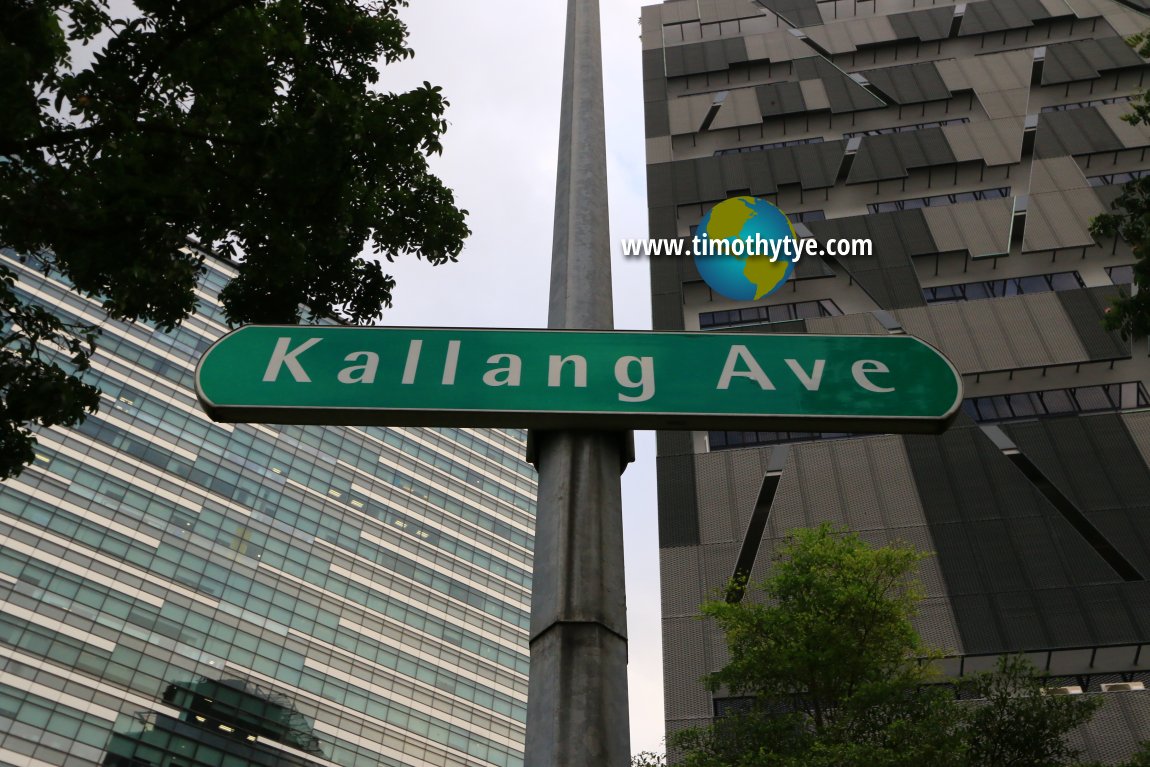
(972, 143)
(175, 591)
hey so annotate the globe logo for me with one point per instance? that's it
(741, 267)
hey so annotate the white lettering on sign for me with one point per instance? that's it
(555, 365)
(511, 374)
(412, 363)
(753, 371)
(742, 364)
(281, 357)
(450, 363)
(810, 382)
(366, 371)
(861, 369)
(635, 375)
(646, 382)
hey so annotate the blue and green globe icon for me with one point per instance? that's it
(735, 274)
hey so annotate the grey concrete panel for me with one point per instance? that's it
(995, 533)
(1067, 616)
(888, 276)
(734, 171)
(678, 516)
(685, 660)
(1089, 460)
(810, 267)
(680, 579)
(675, 60)
(656, 121)
(778, 99)
(893, 155)
(709, 183)
(819, 164)
(848, 325)
(674, 443)
(654, 70)
(926, 25)
(1087, 59)
(660, 186)
(1074, 132)
(1113, 734)
(729, 482)
(655, 88)
(667, 275)
(909, 84)
(980, 228)
(843, 93)
(800, 13)
(662, 220)
(937, 626)
(1000, 15)
(1138, 426)
(714, 55)
(667, 311)
(1015, 332)
(735, 50)
(685, 181)
(864, 485)
(694, 59)
(718, 566)
(1086, 310)
(711, 179)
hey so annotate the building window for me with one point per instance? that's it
(1109, 179)
(806, 216)
(761, 315)
(730, 440)
(1039, 404)
(996, 193)
(1015, 286)
(1121, 275)
(906, 128)
(774, 145)
(1086, 104)
(1003, 407)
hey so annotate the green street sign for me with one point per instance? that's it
(568, 379)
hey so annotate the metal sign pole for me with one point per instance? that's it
(577, 711)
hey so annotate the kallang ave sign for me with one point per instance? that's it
(560, 379)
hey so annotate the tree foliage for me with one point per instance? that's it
(250, 127)
(649, 759)
(1130, 313)
(836, 676)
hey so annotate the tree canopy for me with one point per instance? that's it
(251, 128)
(833, 674)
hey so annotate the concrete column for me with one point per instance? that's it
(577, 711)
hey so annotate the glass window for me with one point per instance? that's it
(1057, 401)
(1092, 398)
(1033, 284)
(1065, 281)
(1121, 275)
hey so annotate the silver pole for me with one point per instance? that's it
(577, 695)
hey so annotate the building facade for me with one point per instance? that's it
(175, 591)
(971, 143)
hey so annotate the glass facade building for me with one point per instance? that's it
(180, 592)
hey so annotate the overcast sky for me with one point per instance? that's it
(500, 67)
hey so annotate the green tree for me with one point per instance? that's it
(1130, 313)
(837, 676)
(648, 759)
(248, 127)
